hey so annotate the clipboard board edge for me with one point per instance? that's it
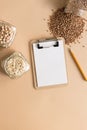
(33, 64)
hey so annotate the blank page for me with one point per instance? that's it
(50, 64)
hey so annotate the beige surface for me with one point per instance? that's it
(21, 106)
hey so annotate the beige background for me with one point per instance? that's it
(21, 106)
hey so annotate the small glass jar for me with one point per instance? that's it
(77, 7)
(15, 65)
(7, 34)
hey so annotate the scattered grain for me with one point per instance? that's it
(66, 25)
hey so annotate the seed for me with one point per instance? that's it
(66, 25)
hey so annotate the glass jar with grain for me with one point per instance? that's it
(77, 7)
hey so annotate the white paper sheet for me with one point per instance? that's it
(50, 64)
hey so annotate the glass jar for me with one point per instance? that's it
(77, 7)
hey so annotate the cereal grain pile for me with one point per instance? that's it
(66, 25)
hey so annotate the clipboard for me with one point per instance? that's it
(48, 60)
